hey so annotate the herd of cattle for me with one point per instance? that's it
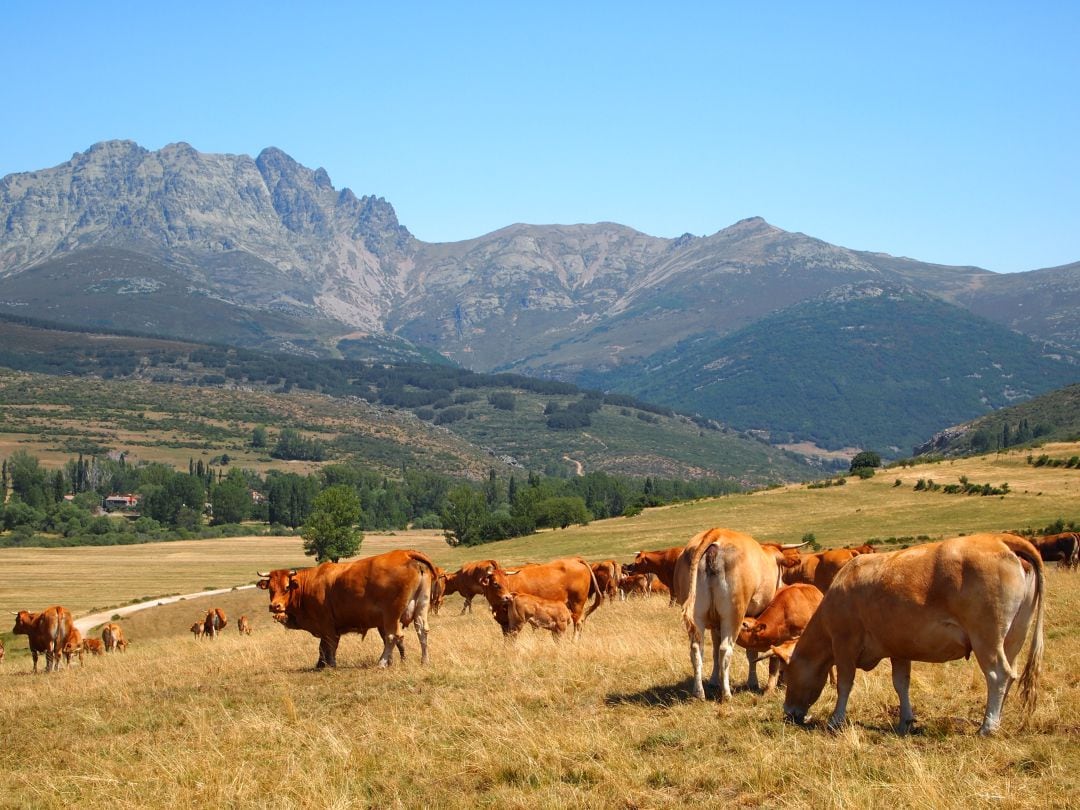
(812, 616)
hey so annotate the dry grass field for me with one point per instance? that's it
(602, 722)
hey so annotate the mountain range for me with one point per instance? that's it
(264, 252)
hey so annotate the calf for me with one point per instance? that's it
(543, 614)
(244, 626)
(73, 646)
(774, 631)
(634, 585)
(94, 646)
(197, 629)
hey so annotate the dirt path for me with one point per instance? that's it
(84, 623)
(579, 468)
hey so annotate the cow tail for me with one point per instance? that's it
(594, 587)
(1029, 681)
(703, 541)
(424, 560)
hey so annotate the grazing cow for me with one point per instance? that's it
(934, 602)
(244, 626)
(1064, 548)
(197, 629)
(543, 614)
(634, 585)
(215, 620)
(607, 577)
(738, 578)
(774, 631)
(818, 569)
(95, 646)
(113, 636)
(386, 592)
(466, 581)
(569, 580)
(659, 563)
(47, 632)
(73, 646)
(865, 548)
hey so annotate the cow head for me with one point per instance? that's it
(640, 558)
(496, 584)
(24, 622)
(280, 583)
(750, 634)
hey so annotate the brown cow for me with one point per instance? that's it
(569, 580)
(865, 548)
(659, 563)
(47, 632)
(934, 602)
(466, 581)
(94, 646)
(197, 629)
(634, 585)
(1063, 548)
(386, 592)
(658, 588)
(738, 579)
(607, 577)
(543, 614)
(215, 620)
(244, 626)
(775, 629)
(818, 569)
(113, 636)
(73, 646)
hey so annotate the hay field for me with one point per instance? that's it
(603, 722)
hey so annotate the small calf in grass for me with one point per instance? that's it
(524, 608)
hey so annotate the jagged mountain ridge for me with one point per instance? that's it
(268, 235)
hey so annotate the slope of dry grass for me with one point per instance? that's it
(603, 722)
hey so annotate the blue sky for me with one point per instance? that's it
(945, 132)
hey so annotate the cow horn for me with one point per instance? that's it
(764, 657)
(511, 573)
(793, 545)
(292, 572)
(263, 574)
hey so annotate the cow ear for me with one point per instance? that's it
(760, 627)
(264, 584)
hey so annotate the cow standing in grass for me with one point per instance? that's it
(387, 592)
(569, 581)
(1062, 548)
(214, 622)
(244, 626)
(197, 630)
(935, 602)
(113, 636)
(47, 632)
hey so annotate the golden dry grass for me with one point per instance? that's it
(603, 722)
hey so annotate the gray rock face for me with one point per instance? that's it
(272, 235)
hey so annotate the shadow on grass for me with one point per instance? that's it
(670, 695)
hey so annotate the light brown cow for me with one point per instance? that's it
(47, 632)
(386, 592)
(727, 576)
(197, 629)
(73, 646)
(776, 628)
(569, 580)
(934, 602)
(244, 626)
(215, 621)
(543, 614)
(113, 636)
(660, 564)
(818, 568)
(658, 588)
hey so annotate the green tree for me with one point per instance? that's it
(230, 500)
(866, 459)
(463, 516)
(27, 479)
(258, 437)
(330, 532)
(562, 512)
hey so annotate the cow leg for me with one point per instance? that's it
(34, 655)
(752, 678)
(421, 626)
(845, 680)
(999, 676)
(776, 666)
(723, 652)
(390, 640)
(467, 607)
(327, 653)
(901, 681)
(696, 643)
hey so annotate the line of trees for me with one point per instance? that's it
(67, 502)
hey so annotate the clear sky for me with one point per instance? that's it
(948, 132)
